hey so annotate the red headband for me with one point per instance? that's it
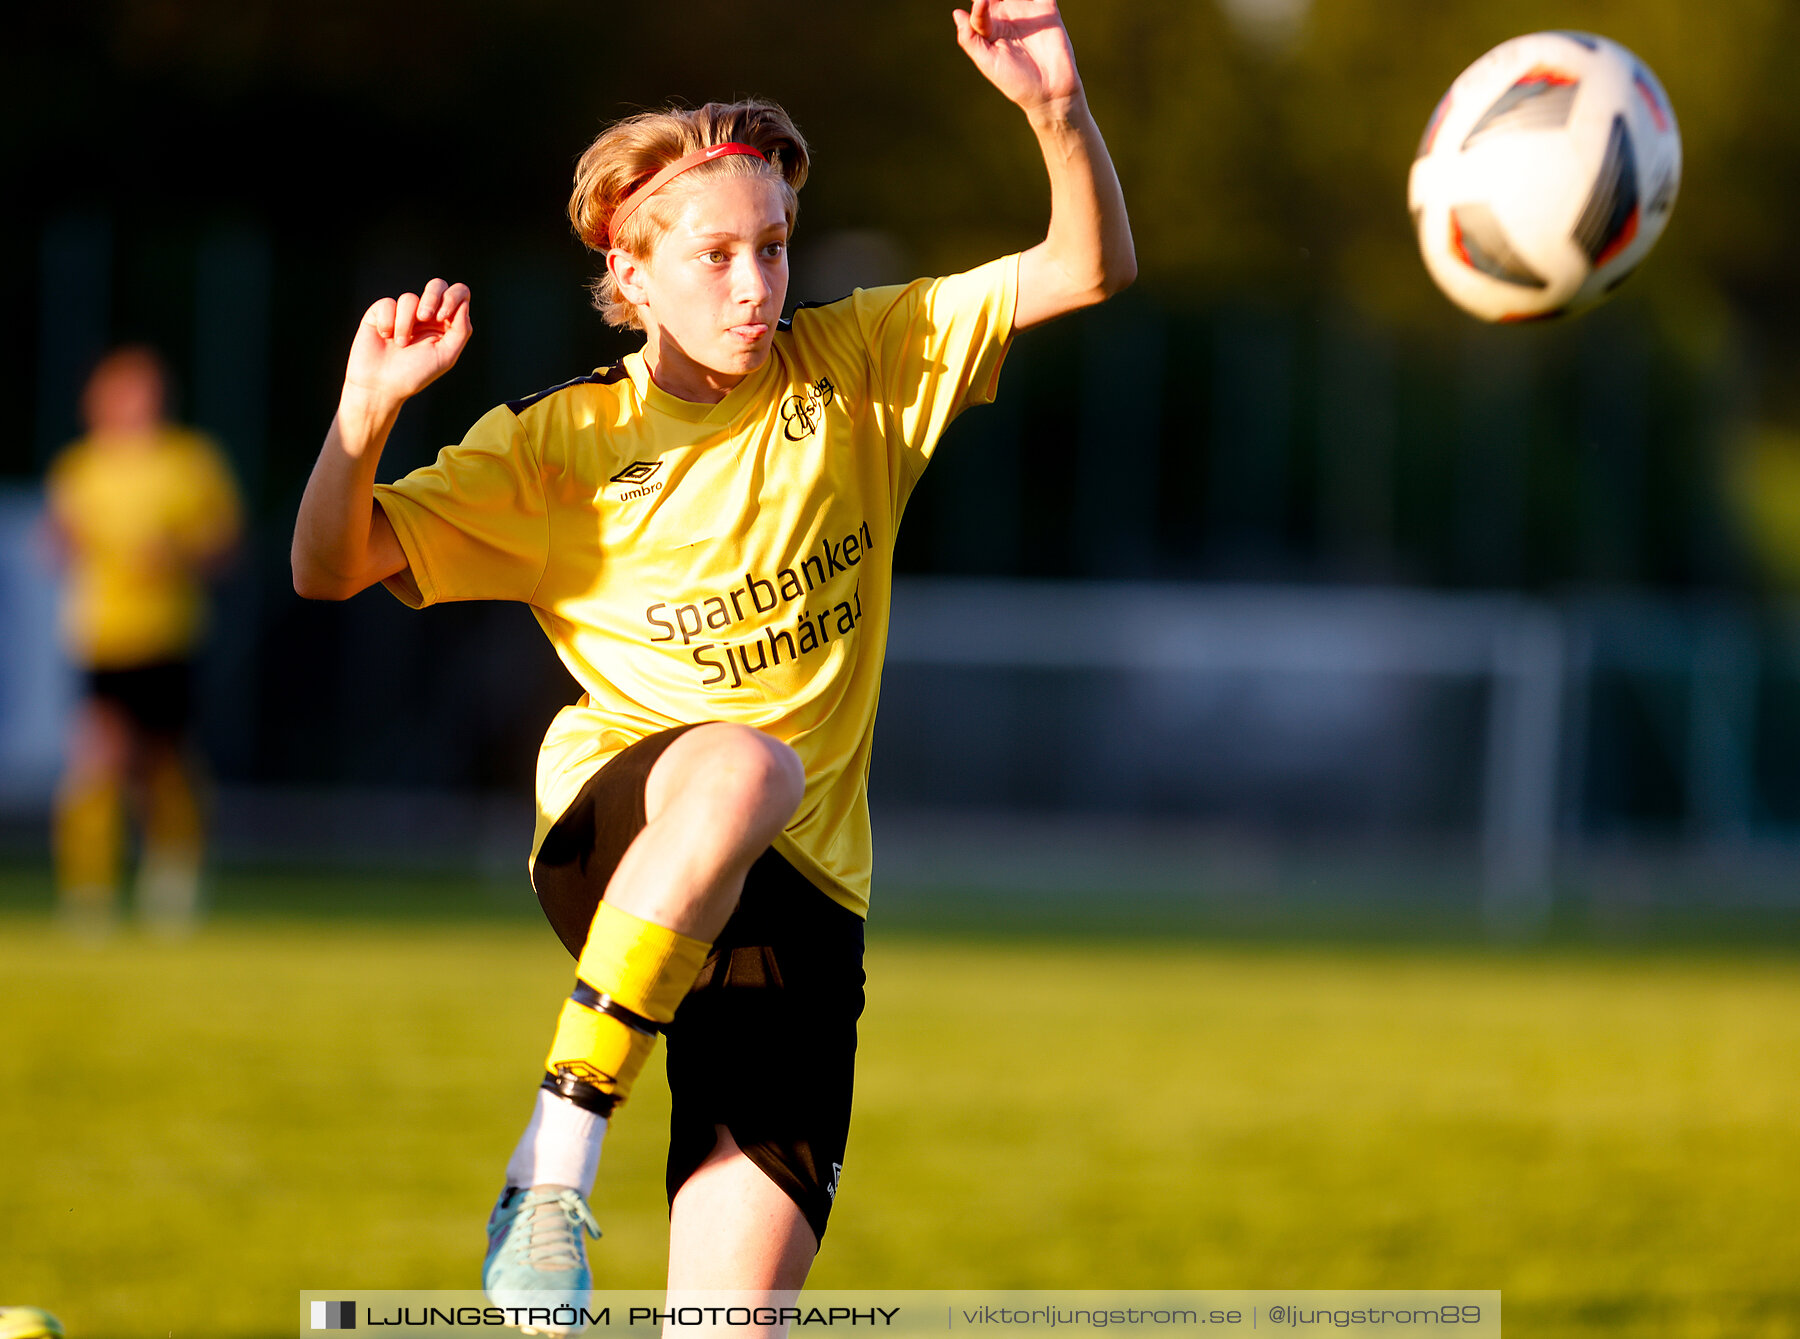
(668, 174)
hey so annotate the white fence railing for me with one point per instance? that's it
(1513, 645)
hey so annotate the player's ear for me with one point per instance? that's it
(628, 276)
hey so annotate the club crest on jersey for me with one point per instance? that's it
(800, 414)
(636, 477)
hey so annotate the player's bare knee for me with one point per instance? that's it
(756, 774)
(729, 770)
(786, 782)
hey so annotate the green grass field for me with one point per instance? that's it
(193, 1133)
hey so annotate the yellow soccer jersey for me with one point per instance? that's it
(141, 518)
(728, 562)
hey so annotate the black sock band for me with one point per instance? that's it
(580, 1092)
(589, 998)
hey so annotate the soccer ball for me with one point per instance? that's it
(1545, 176)
(28, 1322)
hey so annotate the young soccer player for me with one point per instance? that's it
(705, 531)
(141, 512)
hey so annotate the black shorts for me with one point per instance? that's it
(157, 699)
(765, 1043)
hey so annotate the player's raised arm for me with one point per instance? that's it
(1023, 49)
(342, 540)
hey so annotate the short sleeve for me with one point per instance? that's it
(473, 524)
(936, 346)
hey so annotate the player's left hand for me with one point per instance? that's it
(1022, 48)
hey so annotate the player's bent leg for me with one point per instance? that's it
(712, 801)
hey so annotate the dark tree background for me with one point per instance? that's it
(1284, 396)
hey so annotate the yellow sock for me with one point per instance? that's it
(168, 882)
(88, 834)
(171, 806)
(630, 978)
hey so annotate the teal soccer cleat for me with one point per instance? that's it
(535, 1254)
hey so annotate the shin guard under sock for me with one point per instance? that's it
(631, 976)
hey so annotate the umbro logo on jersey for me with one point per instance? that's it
(639, 471)
(636, 477)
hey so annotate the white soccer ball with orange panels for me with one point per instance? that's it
(1545, 176)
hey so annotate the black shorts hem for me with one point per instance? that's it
(778, 1160)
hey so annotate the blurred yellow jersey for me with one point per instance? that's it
(142, 518)
(724, 562)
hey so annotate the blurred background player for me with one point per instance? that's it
(141, 512)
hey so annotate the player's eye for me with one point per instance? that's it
(774, 250)
(715, 257)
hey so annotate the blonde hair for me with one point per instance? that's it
(630, 152)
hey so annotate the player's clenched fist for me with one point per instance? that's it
(1022, 48)
(406, 343)
(342, 542)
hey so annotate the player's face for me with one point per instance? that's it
(124, 400)
(716, 283)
